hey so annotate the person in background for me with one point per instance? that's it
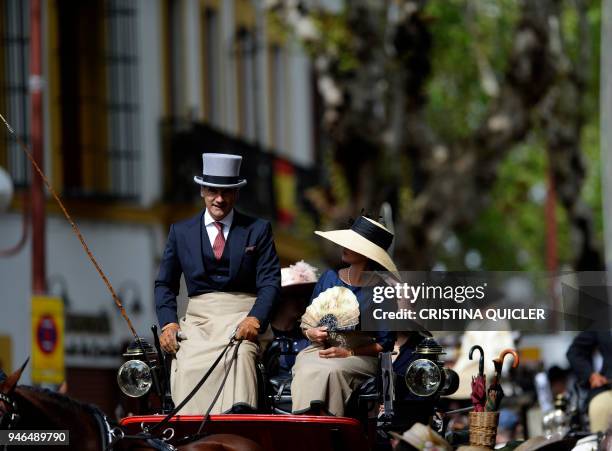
(580, 356)
(558, 379)
(507, 426)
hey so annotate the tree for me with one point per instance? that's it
(503, 75)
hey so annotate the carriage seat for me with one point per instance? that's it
(277, 370)
(277, 363)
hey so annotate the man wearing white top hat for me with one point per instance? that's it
(232, 274)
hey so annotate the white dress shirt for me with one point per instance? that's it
(212, 231)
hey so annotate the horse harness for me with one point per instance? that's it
(12, 412)
(108, 434)
(111, 435)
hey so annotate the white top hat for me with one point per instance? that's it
(220, 170)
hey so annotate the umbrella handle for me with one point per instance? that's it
(481, 361)
(514, 354)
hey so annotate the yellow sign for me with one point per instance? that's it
(47, 340)
(6, 356)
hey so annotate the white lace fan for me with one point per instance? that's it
(337, 308)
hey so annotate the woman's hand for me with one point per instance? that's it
(317, 334)
(336, 352)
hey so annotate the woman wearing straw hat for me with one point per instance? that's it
(324, 377)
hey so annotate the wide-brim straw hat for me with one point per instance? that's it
(368, 238)
(220, 170)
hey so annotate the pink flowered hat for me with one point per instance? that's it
(299, 275)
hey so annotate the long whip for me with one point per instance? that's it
(76, 230)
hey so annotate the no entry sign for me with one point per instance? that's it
(47, 334)
(47, 340)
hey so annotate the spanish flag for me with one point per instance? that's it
(285, 185)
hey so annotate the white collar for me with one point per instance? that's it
(227, 221)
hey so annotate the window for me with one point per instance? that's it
(246, 52)
(211, 63)
(98, 98)
(15, 23)
(81, 97)
(123, 101)
(278, 87)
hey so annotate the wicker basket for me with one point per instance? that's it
(483, 428)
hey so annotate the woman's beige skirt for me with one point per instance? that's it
(208, 324)
(329, 381)
(600, 412)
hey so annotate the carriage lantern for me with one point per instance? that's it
(558, 421)
(135, 376)
(426, 375)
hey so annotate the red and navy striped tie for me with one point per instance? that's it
(219, 243)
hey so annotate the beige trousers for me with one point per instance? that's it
(330, 381)
(600, 412)
(208, 324)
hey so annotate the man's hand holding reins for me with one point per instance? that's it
(248, 329)
(167, 339)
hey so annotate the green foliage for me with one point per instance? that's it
(276, 25)
(340, 189)
(511, 233)
(472, 37)
(457, 102)
(592, 190)
(337, 39)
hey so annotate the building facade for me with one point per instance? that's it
(134, 92)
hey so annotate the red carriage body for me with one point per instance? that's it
(272, 432)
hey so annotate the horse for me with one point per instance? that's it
(31, 408)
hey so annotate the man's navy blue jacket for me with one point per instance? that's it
(249, 254)
(580, 356)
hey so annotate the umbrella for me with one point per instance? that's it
(495, 394)
(479, 395)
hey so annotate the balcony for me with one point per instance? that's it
(183, 143)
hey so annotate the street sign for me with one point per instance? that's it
(47, 334)
(47, 340)
(6, 354)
